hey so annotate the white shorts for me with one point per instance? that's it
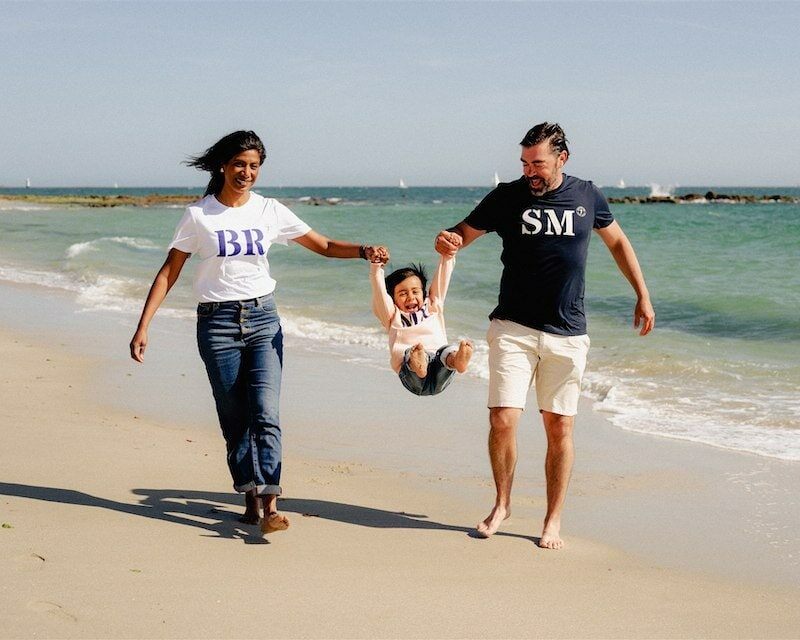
(521, 358)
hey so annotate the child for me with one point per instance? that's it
(418, 346)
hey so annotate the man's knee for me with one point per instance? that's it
(504, 418)
(557, 426)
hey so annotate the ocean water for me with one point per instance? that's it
(722, 367)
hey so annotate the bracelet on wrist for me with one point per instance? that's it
(362, 252)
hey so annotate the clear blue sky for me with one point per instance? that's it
(364, 93)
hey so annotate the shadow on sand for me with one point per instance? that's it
(218, 513)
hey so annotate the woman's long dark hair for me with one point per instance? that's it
(218, 154)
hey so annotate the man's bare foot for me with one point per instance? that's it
(251, 514)
(418, 361)
(550, 536)
(274, 522)
(460, 359)
(490, 526)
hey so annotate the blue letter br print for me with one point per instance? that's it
(230, 245)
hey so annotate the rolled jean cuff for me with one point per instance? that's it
(261, 489)
(446, 352)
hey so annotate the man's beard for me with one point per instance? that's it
(542, 188)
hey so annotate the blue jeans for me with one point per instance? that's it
(241, 344)
(439, 376)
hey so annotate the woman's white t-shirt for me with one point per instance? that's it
(232, 244)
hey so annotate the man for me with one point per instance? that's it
(537, 335)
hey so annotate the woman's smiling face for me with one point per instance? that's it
(241, 172)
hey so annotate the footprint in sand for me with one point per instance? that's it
(53, 608)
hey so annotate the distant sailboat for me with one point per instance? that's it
(27, 183)
(621, 184)
(403, 184)
(496, 179)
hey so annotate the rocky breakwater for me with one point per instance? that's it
(152, 200)
(708, 196)
(122, 200)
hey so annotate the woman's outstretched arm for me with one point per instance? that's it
(330, 248)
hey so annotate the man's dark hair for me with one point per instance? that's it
(547, 131)
(397, 276)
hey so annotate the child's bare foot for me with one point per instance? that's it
(460, 359)
(418, 361)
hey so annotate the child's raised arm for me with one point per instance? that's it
(441, 280)
(382, 303)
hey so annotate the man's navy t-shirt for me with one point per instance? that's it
(545, 245)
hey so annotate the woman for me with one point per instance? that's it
(238, 329)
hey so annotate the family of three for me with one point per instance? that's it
(537, 333)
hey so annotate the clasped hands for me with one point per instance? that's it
(379, 254)
(448, 242)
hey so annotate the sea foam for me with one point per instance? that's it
(723, 422)
(139, 244)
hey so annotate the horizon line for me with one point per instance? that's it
(358, 186)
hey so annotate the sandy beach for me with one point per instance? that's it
(118, 519)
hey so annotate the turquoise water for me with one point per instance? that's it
(722, 367)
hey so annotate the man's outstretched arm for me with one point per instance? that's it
(449, 241)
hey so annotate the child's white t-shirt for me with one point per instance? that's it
(232, 244)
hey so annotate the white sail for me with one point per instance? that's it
(621, 184)
(496, 179)
(27, 183)
(403, 184)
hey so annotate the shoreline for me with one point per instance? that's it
(109, 256)
(125, 502)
